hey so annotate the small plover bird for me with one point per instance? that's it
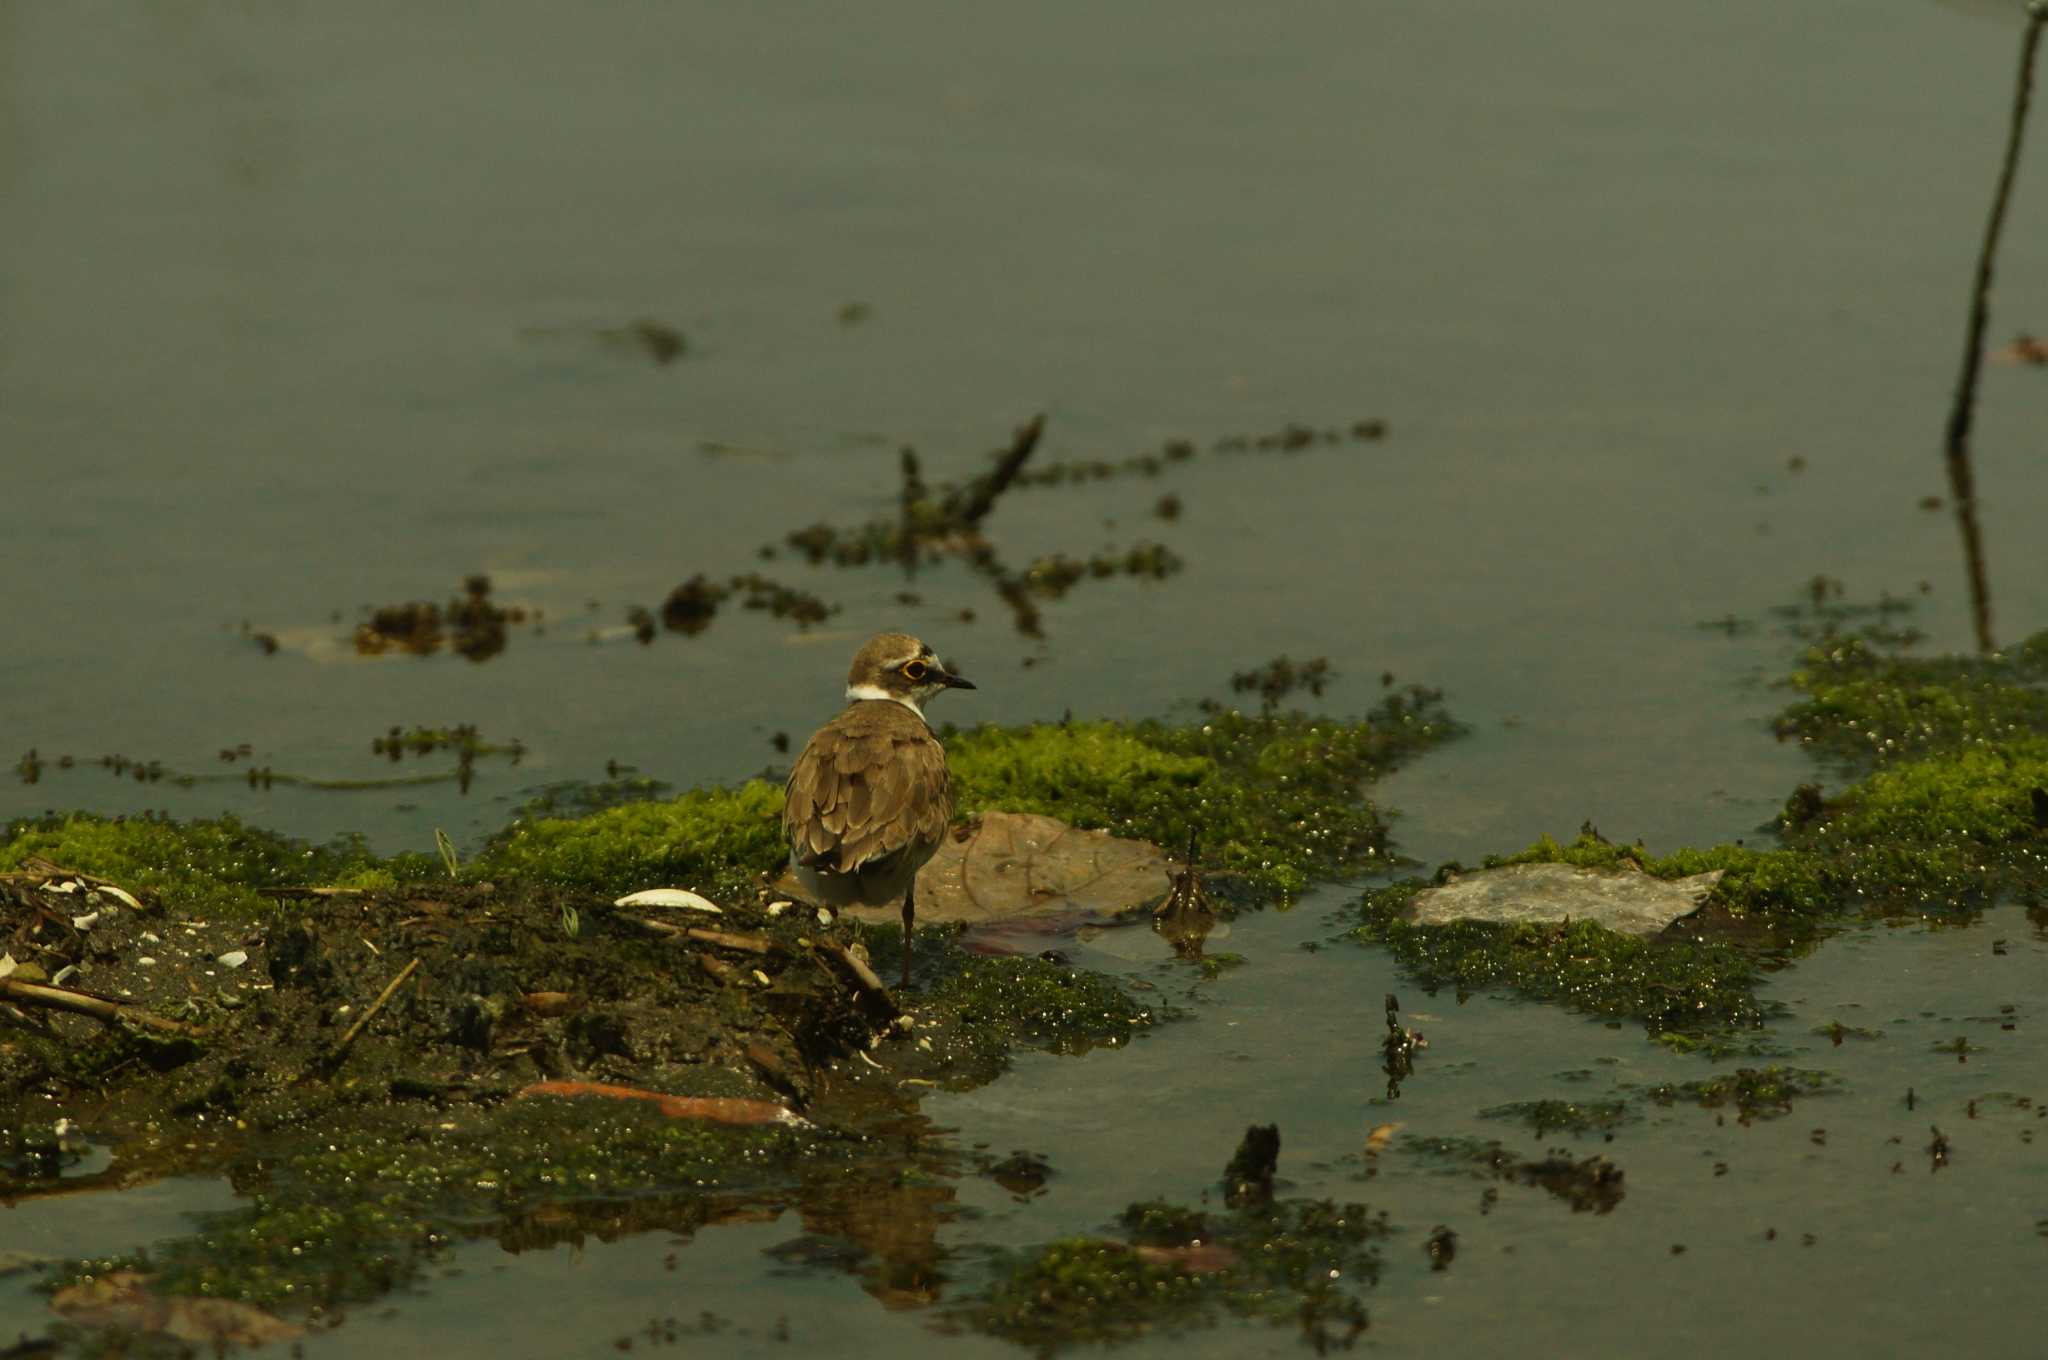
(869, 800)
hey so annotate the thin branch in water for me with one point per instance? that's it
(1961, 481)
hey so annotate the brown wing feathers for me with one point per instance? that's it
(868, 784)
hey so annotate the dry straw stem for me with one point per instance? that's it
(375, 1006)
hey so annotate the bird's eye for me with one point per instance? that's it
(914, 670)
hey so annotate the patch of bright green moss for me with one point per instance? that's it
(715, 841)
(1864, 705)
(1973, 797)
(194, 867)
(1667, 984)
(1303, 1262)
(1277, 799)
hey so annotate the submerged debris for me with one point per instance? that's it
(1398, 1049)
(1277, 680)
(1022, 1173)
(658, 340)
(1586, 1185)
(470, 625)
(938, 522)
(464, 741)
(691, 606)
(663, 343)
(1576, 1117)
(1300, 1263)
(1248, 1179)
(1755, 1093)
(2024, 349)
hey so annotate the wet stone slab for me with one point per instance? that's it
(1625, 900)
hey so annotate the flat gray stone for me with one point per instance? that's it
(1625, 900)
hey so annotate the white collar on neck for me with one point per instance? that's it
(854, 692)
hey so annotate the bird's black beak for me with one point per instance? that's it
(953, 681)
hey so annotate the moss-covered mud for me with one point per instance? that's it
(1941, 809)
(388, 1055)
(1168, 1268)
(498, 1089)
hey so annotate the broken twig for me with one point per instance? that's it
(724, 939)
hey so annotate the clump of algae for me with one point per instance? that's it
(1173, 1269)
(1276, 799)
(1944, 810)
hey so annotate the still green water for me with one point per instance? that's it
(300, 312)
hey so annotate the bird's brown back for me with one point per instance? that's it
(869, 783)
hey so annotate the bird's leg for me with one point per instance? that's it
(909, 915)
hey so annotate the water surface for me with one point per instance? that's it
(301, 312)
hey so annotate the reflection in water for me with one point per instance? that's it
(1185, 917)
(891, 1211)
(1962, 414)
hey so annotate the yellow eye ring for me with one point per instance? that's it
(914, 670)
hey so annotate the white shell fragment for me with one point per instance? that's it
(85, 922)
(7, 965)
(824, 916)
(234, 958)
(68, 886)
(121, 895)
(63, 974)
(680, 898)
(1625, 900)
(777, 908)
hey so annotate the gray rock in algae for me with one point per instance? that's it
(1625, 900)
